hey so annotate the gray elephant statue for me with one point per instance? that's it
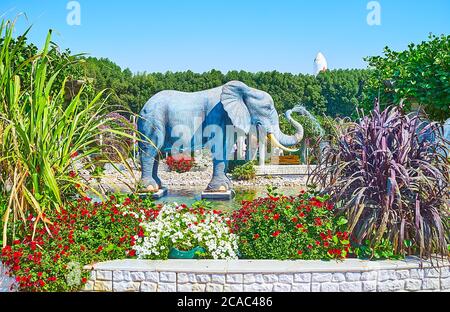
(233, 104)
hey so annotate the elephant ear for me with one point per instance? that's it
(232, 98)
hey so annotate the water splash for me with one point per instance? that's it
(300, 109)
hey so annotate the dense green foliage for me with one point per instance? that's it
(419, 74)
(245, 172)
(42, 132)
(333, 92)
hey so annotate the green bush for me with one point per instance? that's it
(245, 172)
(295, 227)
(418, 74)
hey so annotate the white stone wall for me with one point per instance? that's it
(7, 284)
(267, 276)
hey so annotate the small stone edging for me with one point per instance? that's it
(351, 275)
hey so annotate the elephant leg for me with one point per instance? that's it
(155, 170)
(149, 152)
(219, 181)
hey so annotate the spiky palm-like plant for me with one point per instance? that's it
(389, 173)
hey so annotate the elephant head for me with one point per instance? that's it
(246, 106)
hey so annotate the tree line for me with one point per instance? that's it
(334, 93)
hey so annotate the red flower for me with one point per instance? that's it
(301, 215)
(39, 274)
(294, 219)
(132, 253)
(72, 174)
(299, 226)
(256, 236)
(318, 221)
(99, 249)
(300, 252)
(84, 280)
(310, 246)
(276, 233)
(74, 154)
(276, 216)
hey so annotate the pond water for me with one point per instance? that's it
(189, 196)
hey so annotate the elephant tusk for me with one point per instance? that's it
(275, 142)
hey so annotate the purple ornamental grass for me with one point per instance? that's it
(391, 179)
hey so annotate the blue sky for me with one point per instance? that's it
(253, 35)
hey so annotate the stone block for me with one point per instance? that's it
(152, 277)
(329, 287)
(431, 284)
(445, 272)
(233, 287)
(432, 272)
(187, 287)
(103, 286)
(302, 287)
(249, 278)
(218, 278)
(413, 284)
(104, 275)
(445, 283)
(203, 278)
(286, 278)
(258, 287)
(270, 278)
(168, 277)
(322, 277)
(416, 273)
(402, 274)
(369, 276)
(279, 287)
(149, 287)
(302, 277)
(167, 287)
(386, 275)
(369, 286)
(315, 287)
(199, 287)
(137, 276)
(350, 287)
(234, 278)
(338, 277)
(210, 287)
(126, 286)
(353, 276)
(391, 285)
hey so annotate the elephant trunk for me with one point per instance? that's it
(282, 140)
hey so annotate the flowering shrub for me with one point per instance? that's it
(82, 233)
(180, 164)
(295, 227)
(186, 228)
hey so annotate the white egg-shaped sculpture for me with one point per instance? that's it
(320, 64)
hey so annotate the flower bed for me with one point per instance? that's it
(294, 227)
(186, 228)
(180, 164)
(82, 233)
